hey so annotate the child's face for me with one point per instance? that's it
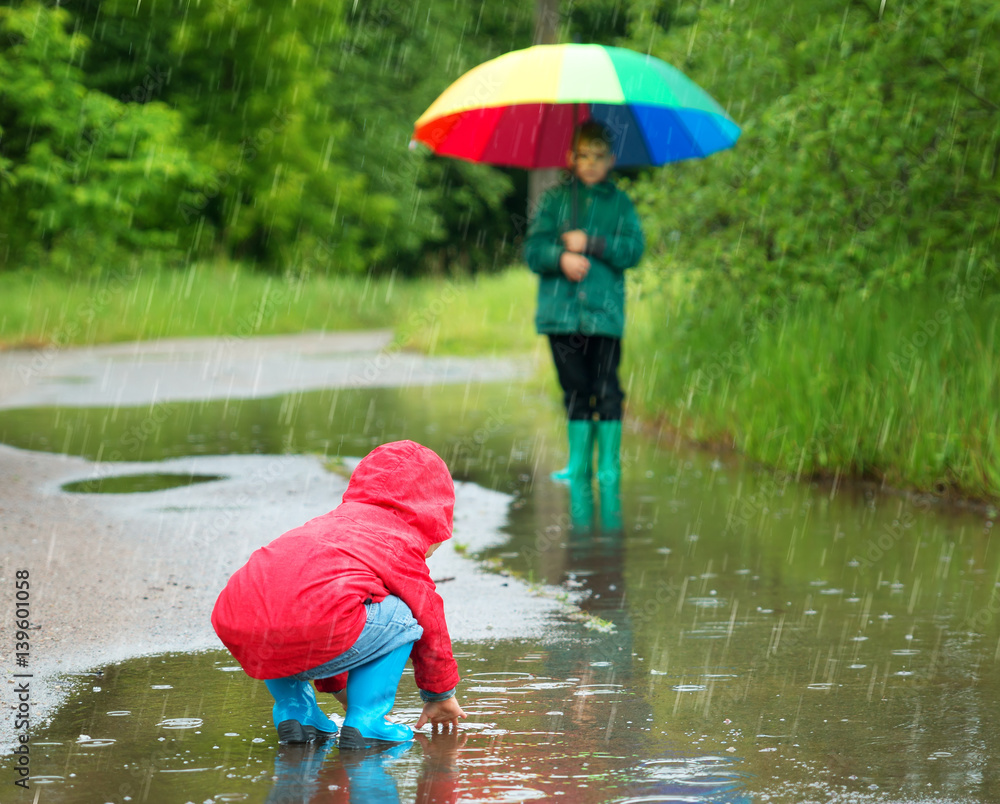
(591, 161)
(431, 549)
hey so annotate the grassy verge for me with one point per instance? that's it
(489, 314)
(901, 389)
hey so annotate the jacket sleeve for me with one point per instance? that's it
(623, 247)
(543, 246)
(434, 666)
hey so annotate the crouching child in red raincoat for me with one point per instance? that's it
(344, 599)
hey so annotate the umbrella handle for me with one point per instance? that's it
(576, 203)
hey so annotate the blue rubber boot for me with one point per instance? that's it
(580, 434)
(368, 778)
(371, 692)
(297, 770)
(609, 472)
(297, 716)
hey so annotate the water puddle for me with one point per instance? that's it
(486, 433)
(174, 728)
(131, 484)
(742, 639)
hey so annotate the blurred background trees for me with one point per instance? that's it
(278, 134)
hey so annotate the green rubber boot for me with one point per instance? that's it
(611, 508)
(580, 434)
(609, 472)
(581, 505)
(609, 447)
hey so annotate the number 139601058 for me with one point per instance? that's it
(22, 616)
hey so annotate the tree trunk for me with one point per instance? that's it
(546, 33)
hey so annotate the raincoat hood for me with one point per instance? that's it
(303, 599)
(411, 481)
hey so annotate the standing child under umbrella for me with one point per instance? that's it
(525, 109)
(583, 237)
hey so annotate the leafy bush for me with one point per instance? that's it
(80, 171)
(869, 155)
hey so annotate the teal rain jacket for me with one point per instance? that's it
(595, 306)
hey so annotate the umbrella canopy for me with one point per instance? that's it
(520, 109)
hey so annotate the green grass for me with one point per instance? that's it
(489, 314)
(901, 389)
(897, 388)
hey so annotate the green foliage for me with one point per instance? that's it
(278, 133)
(898, 386)
(80, 171)
(806, 295)
(245, 79)
(145, 299)
(286, 126)
(605, 21)
(395, 59)
(869, 153)
(486, 314)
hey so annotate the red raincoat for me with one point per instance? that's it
(299, 601)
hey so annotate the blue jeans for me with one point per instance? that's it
(388, 625)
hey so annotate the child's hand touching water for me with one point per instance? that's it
(441, 713)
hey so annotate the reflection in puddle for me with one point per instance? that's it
(767, 642)
(131, 484)
(580, 739)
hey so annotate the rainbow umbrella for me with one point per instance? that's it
(520, 109)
